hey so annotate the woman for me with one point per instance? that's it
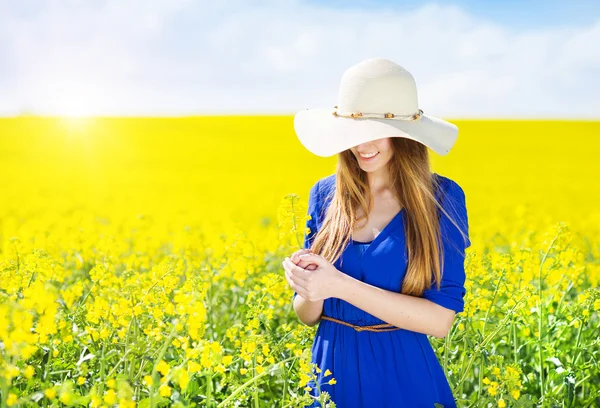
(383, 261)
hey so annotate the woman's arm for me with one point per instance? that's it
(308, 312)
(404, 311)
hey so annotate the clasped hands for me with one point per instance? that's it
(312, 276)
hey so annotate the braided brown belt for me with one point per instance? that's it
(375, 327)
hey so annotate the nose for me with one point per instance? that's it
(363, 147)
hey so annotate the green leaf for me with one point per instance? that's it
(158, 400)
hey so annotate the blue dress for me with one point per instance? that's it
(396, 368)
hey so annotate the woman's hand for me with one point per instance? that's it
(302, 263)
(313, 285)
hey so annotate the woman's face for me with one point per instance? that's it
(382, 148)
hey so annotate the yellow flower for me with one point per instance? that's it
(501, 403)
(327, 372)
(163, 367)
(122, 333)
(66, 397)
(164, 390)
(183, 378)
(80, 380)
(11, 372)
(124, 403)
(193, 367)
(96, 401)
(332, 381)
(148, 380)
(50, 393)
(110, 397)
(111, 383)
(515, 394)
(12, 399)
(29, 371)
(104, 333)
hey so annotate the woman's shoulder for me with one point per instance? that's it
(452, 198)
(323, 188)
(321, 194)
(447, 186)
(327, 184)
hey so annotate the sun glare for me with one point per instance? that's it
(76, 124)
(75, 115)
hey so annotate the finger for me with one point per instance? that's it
(287, 266)
(288, 277)
(298, 272)
(295, 286)
(295, 258)
(314, 258)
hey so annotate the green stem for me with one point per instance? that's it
(485, 320)
(541, 314)
(446, 348)
(209, 393)
(163, 350)
(4, 393)
(251, 381)
(489, 338)
(514, 330)
(255, 393)
(285, 377)
(462, 363)
(578, 343)
(295, 228)
(480, 378)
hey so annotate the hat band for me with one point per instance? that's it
(387, 115)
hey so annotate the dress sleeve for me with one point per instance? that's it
(454, 240)
(312, 223)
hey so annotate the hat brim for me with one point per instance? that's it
(324, 134)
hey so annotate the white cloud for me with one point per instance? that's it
(184, 57)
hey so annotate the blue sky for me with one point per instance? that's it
(522, 14)
(180, 57)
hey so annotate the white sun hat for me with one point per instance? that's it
(377, 98)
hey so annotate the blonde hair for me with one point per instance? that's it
(414, 186)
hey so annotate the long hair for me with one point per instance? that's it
(414, 186)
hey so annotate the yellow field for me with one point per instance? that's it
(141, 262)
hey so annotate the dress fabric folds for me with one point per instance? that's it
(396, 368)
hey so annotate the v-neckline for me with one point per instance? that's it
(382, 233)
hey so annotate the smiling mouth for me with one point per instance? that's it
(368, 156)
